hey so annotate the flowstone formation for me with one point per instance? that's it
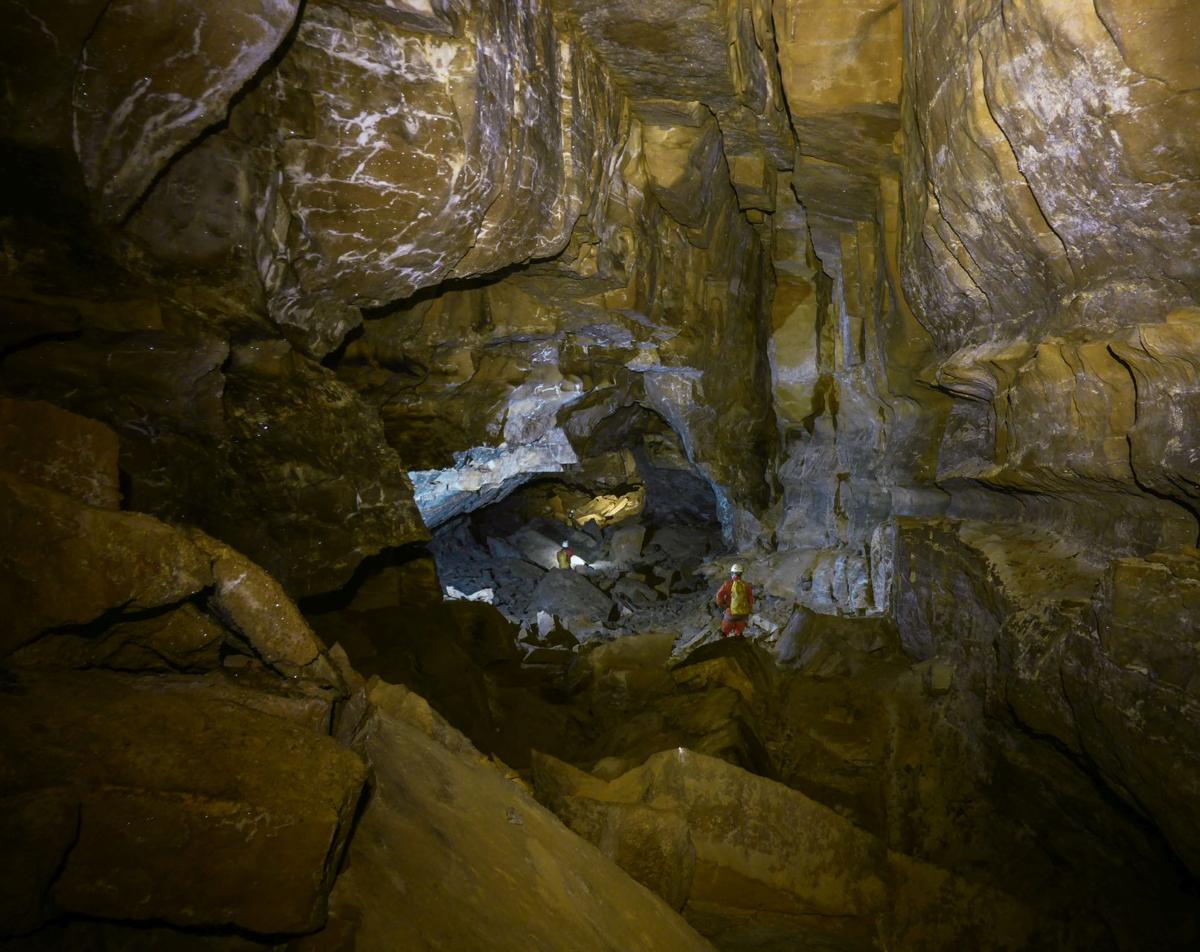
(323, 325)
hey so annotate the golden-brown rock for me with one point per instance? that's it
(253, 604)
(1094, 653)
(60, 450)
(760, 862)
(1048, 182)
(204, 441)
(193, 810)
(67, 563)
(131, 115)
(1103, 415)
(479, 845)
(181, 639)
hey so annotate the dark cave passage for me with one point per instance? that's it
(636, 521)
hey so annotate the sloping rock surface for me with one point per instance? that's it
(451, 855)
(762, 864)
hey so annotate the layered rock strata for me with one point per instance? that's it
(167, 712)
(692, 828)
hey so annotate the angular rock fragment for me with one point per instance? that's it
(67, 563)
(574, 600)
(256, 606)
(634, 594)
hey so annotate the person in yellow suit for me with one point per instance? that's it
(564, 556)
(736, 597)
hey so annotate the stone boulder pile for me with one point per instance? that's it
(184, 764)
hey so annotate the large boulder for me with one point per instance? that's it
(640, 707)
(625, 546)
(579, 605)
(67, 563)
(133, 578)
(759, 862)
(171, 805)
(483, 864)
(253, 604)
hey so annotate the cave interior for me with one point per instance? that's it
(387, 387)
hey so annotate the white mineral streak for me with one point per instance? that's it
(131, 116)
(1049, 194)
(431, 157)
(485, 595)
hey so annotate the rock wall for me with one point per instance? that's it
(983, 311)
(1094, 654)
(983, 295)
(1050, 181)
(374, 162)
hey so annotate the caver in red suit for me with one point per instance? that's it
(736, 597)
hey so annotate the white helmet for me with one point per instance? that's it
(736, 569)
(566, 545)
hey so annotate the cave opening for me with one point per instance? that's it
(634, 519)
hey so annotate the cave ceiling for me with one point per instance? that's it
(715, 210)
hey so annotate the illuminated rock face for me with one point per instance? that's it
(1050, 183)
(409, 157)
(130, 116)
(385, 157)
(693, 825)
